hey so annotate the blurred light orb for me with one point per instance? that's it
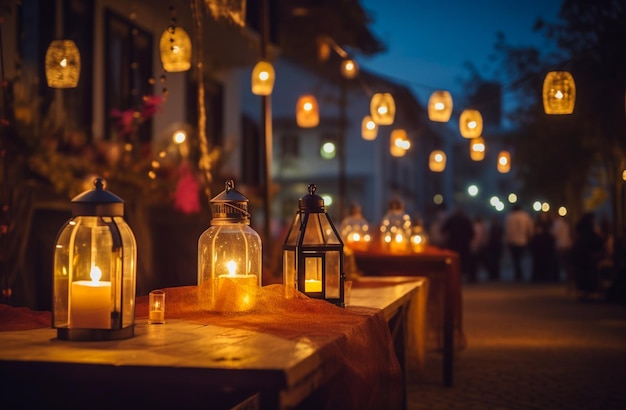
(438, 199)
(562, 211)
(472, 190)
(512, 198)
(179, 137)
(537, 206)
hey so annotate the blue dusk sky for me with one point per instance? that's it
(428, 42)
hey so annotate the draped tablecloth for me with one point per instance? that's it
(356, 337)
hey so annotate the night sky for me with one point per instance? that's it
(428, 42)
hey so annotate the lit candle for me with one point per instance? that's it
(156, 315)
(235, 293)
(312, 285)
(90, 302)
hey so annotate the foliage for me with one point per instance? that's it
(566, 158)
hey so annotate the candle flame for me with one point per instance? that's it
(95, 274)
(232, 267)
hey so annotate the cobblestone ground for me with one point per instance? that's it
(531, 346)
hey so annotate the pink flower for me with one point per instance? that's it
(187, 197)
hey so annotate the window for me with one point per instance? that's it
(289, 146)
(128, 69)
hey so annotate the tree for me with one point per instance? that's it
(574, 155)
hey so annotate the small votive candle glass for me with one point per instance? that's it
(156, 313)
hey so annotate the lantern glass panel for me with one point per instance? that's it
(94, 281)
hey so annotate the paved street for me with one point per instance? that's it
(531, 346)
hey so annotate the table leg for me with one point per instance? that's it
(448, 326)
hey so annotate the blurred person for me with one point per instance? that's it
(494, 248)
(458, 232)
(543, 250)
(434, 230)
(477, 247)
(563, 244)
(518, 230)
(588, 249)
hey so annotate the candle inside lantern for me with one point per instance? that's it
(312, 285)
(235, 293)
(156, 315)
(90, 302)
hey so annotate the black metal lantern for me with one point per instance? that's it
(95, 262)
(313, 252)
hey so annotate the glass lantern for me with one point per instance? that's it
(471, 123)
(313, 252)
(62, 64)
(395, 229)
(229, 256)
(354, 229)
(419, 238)
(262, 78)
(95, 262)
(175, 47)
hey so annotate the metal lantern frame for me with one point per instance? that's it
(94, 275)
(313, 250)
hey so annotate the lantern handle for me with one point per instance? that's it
(312, 189)
(230, 185)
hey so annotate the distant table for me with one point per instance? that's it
(441, 267)
(187, 364)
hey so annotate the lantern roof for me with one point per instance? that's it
(97, 202)
(311, 202)
(230, 206)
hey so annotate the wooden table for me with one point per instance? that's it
(184, 364)
(441, 267)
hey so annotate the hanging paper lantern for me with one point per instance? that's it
(440, 106)
(349, 68)
(307, 112)
(399, 143)
(383, 108)
(437, 161)
(369, 129)
(559, 93)
(471, 124)
(477, 148)
(263, 78)
(62, 64)
(175, 46)
(504, 162)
